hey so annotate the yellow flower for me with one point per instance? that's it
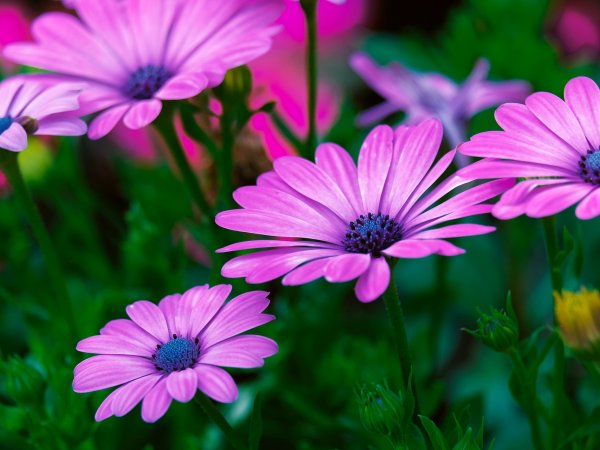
(578, 315)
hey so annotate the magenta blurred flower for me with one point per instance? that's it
(348, 219)
(554, 144)
(15, 26)
(170, 351)
(578, 27)
(29, 105)
(433, 95)
(139, 53)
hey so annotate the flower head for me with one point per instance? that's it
(346, 219)
(169, 351)
(578, 315)
(555, 144)
(433, 95)
(138, 53)
(28, 105)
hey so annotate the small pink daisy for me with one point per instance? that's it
(555, 144)
(133, 54)
(347, 220)
(170, 351)
(28, 105)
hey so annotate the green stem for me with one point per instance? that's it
(166, 126)
(310, 11)
(213, 413)
(530, 406)
(10, 164)
(225, 165)
(552, 249)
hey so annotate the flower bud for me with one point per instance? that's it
(498, 330)
(383, 411)
(578, 316)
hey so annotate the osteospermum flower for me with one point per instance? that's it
(555, 144)
(426, 95)
(29, 105)
(134, 53)
(347, 220)
(170, 351)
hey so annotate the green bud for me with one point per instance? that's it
(498, 330)
(236, 87)
(23, 383)
(381, 410)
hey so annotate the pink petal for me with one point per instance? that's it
(306, 273)
(558, 117)
(105, 411)
(149, 317)
(106, 121)
(338, 164)
(583, 97)
(373, 283)
(246, 352)
(111, 345)
(104, 371)
(261, 346)
(416, 248)
(268, 243)
(182, 86)
(189, 303)
(206, 306)
(452, 231)
(142, 113)
(129, 395)
(61, 126)
(216, 383)
(127, 330)
(373, 166)
(169, 305)
(14, 138)
(589, 206)
(495, 168)
(346, 267)
(182, 385)
(156, 402)
(555, 199)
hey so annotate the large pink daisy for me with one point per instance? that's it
(554, 144)
(135, 53)
(347, 219)
(170, 351)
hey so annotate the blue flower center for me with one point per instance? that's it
(589, 166)
(5, 123)
(145, 82)
(371, 234)
(177, 354)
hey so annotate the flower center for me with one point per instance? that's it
(5, 123)
(590, 167)
(371, 234)
(145, 82)
(177, 354)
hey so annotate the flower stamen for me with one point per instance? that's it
(371, 233)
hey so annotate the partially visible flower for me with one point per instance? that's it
(578, 316)
(139, 53)
(348, 220)
(15, 28)
(555, 144)
(577, 28)
(428, 95)
(28, 105)
(170, 351)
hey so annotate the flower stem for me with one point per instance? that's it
(552, 249)
(213, 413)
(310, 12)
(166, 126)
(10, 164)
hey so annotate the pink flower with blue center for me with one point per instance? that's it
(172, 350)
(335, 220)
(426, 95)
(553, 144)
(133, 54)
(29, 105)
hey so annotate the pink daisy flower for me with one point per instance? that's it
(28, 105)
(137, 53)
(433, 95)
(555, 144)
(170, 351)
(345, 220)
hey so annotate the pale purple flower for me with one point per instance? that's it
(345, 220)
(554, 144)
(428, 95)
(28, 105)
(170, 351)
(135, 53)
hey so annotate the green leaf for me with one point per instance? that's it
(256, 424)
(434, 433)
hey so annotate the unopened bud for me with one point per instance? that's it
(578, 316)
